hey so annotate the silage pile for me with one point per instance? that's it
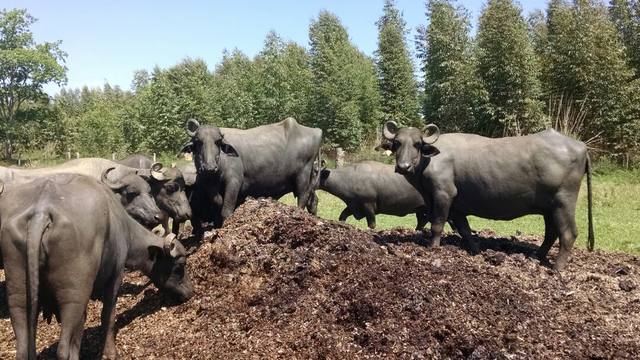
(276, 282)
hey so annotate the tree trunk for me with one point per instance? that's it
(8, 149)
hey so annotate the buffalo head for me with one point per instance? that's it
(169, 271)
(410, 145)
(168, 189)
(135, 196)
(207, 142)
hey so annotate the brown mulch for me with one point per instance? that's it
(276, 282)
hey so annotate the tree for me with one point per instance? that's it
(587, 62)
(284, 79)
(398, 87)
(344, 100)
(172, 97)
(453, 93)
(626, 17)
(509, 69)
(24, 68)
(234, 90)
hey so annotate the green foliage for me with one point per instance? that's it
(585, 60)
(171, 97)
(398, 87)
(509, 70)
(626, 17)
(24, 68)
(284, 82)
(344, 99)
(453, 94)
(234, 83)
(94, 121)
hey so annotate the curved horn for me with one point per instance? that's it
(430, 133)
(113, 185)
(389, 130)
(169, 245)
(192, 125)
(157, 171)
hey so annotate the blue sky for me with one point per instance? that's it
(107, 41)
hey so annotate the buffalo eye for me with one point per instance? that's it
(395, 145)
(130, 195)
(171, 188)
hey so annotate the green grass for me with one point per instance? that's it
(616, 214)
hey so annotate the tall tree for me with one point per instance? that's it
(234, 91)
(344, 100)
(170, 98)
(284, 81)
(453, 94)
(626, 17)
(398, 87)
(25, 67)
(587, 62)
(509, 69)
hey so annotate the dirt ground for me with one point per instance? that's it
(276, 282)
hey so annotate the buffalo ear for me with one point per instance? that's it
(155, 252)
(228, 149)
(429, 150)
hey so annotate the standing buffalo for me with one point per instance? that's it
(65, 239)
(498, 179)
(369, 188)
(265, 161)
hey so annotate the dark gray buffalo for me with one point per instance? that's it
(65, 239)
(265, 161)
(499, 179)
(369, 188)
(169, 187)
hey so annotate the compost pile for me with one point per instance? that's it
(276, 282)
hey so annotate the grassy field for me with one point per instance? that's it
(616, 213)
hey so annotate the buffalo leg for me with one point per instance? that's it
(16, 280)
(312, 204)
(550, 236)
(230, 199)
(568, 232)
(72, 315)
(462, 227)
(441, 205)
(345, 214)
(108, 318)
(303, 186)
(422, 219)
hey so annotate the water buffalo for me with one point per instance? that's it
(498, 179)
(369, 188)
(137, 187)
(65, 239)
(169, 189)
(265, 161)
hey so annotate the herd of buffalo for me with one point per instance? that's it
(68, 232)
